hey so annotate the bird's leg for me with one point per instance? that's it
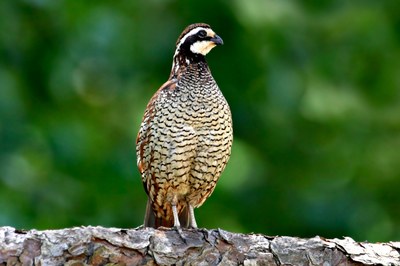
(176, 218)
(192, 219)
(177, 224)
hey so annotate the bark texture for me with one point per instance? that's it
(147, 246)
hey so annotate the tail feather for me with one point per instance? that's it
(150, 219)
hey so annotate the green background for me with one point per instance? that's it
(314, 88)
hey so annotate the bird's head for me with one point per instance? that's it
(197, 39)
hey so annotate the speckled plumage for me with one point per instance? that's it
(185, 138)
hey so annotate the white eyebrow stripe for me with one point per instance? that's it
(194, 31)
(190, 33)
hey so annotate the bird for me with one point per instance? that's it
(185, 137)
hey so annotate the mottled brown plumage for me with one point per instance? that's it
(185, 138)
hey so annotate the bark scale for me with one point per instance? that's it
(147, 246)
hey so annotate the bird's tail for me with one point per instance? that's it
(150, 219)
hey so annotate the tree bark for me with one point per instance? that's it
(148, 246)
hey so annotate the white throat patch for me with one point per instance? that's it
(202, 47)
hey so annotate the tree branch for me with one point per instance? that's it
(147, 246)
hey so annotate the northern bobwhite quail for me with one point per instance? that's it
(185, 138)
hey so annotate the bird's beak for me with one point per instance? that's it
(217, 40)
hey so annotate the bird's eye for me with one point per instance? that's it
(202, 34)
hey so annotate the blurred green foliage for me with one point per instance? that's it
(314, 88)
